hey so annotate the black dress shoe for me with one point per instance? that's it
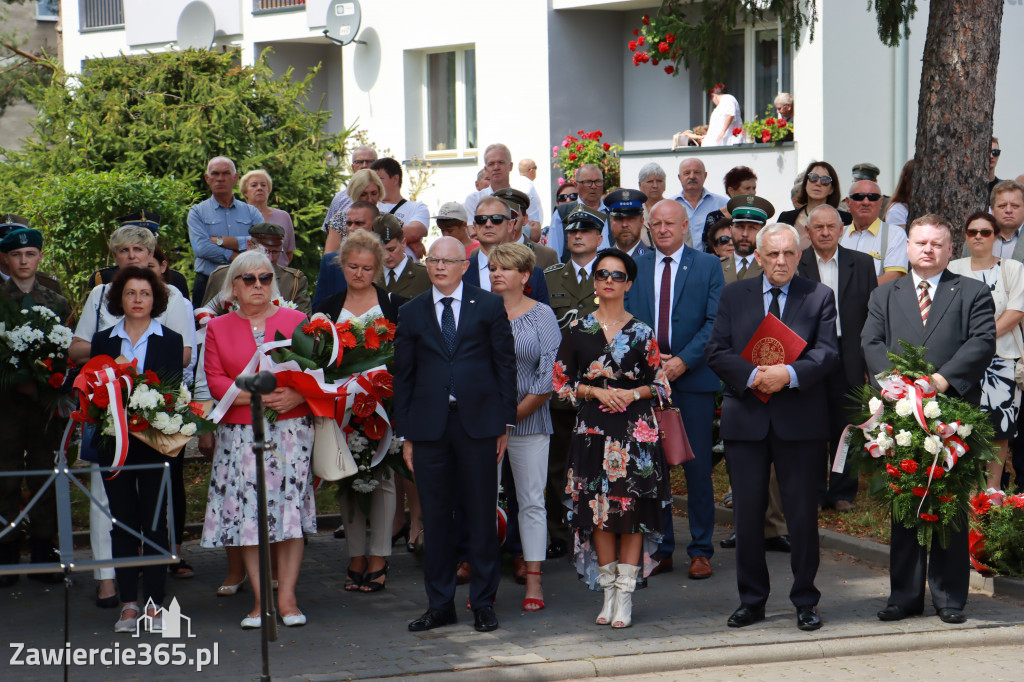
(746, 615)
(807, 618)
(896, 612)
(484, 619)
(433, 619)
(729, 542)
(951, 616)
(779, 543)
(557, 549)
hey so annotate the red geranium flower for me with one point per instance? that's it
(655, 61)
(781, 123)
(572, 156)
(765, 136)
(363, 405)
(737, 131)
(893, 471)
(663, 47)
(908, 465)
(636, 31)
(374, 427)
(919, 491)
(670, 38)
(137, 423)
(632, 44)
(641, 40)
(56, 380)
(606, 146)
(770, 121)
(582, 133)
(647, 20)
(579, 147)
(929, 517)
(670, 69)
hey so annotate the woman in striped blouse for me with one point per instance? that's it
(537, 340)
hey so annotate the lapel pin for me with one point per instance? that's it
(472, 301)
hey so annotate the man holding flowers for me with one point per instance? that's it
(953, 318)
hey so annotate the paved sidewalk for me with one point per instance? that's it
(678, 623)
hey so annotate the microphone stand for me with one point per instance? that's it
(268, 631)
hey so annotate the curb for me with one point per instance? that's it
(651, 663)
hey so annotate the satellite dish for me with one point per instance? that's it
(343, 19)
(196, 26)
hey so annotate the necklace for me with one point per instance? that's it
(616, 323)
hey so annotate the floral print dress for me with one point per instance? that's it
(616, 478)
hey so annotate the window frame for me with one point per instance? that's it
(461, 149)
(749, 34)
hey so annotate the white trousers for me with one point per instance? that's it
(382, 517)
(528, 458)
(99, 524)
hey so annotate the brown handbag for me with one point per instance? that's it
(673, 434)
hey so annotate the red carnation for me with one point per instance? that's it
(606, 146)
(100, 399)
(935, 472)
(919, 491)
(737, 131)
(631, 45)
(893, 471)
(929, 517)
(765, 136)
(896, 490)
(151, 377)
(908, 465)
(663, 47)
(363, 405)
(56, 380)
(947, 498)
(670, 69)
(647, 20)
(670, 38)
(137, 423)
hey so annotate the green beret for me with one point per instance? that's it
(22, 238)
(266, 230)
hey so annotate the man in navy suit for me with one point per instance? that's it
(455, 402)
(494, 226)
(676, 293)
(789, 430)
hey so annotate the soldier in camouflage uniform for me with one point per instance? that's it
(31, 433)
(9, 223)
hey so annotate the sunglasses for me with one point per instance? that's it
(996, 152)
(562, 198)
(823, 179)
(723, 240)
(861, 196)
(984, 232)
(249, 279)
(616, 276)
(496, 219)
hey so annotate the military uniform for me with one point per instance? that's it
(729, 269)
(413, 281)
(292, 282)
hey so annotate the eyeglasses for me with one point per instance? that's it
(823, 179)
(496, 219)
(591, 183)
(996, 152)
(723, 240)
(562, 198)
(984, 232)
(616, 276)
(446, 262)
(861, 196)
(249, 279)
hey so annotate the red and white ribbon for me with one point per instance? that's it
(360, 384)
(839, 463)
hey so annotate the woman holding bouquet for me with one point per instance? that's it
(618, 485)
(361, 258)
(139, 295)
(231, 510)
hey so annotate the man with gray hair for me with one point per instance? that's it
(784, 106)
(697, 200)
(498, 163)
(789, 429)
(886, 244)
(219, 226)
(589, 187)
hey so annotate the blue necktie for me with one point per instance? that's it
(448, 334)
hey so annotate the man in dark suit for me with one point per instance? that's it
(851, 277)
(788, 431)
(676, 293)
(494, 226)
(455, 402)
(956, 325)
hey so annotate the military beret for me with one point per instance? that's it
(266, 230)
(10, 222)
(748, 208)
(866, 171)
(625, 202)
(21, 238)
(387, 227)
(583, 218)
(516, 200)
(147, 219)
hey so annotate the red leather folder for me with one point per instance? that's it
(772, 344)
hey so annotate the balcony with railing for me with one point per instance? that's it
(101, 15)
(270, 6)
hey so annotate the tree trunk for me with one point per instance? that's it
(954, 111)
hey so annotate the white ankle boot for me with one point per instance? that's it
(606, 579)
(625, 583)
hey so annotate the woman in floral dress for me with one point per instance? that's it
(617, 483)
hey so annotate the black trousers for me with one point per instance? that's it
(563, 422)
(796, 464)
(178, 494)
(133, 496)
(948, 569)
(836, 486)
(30, 437)
(458, 471)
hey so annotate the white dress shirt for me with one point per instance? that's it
(456, 303)
(659, 270)
(136, 351)
(828, 272)
(485, 272)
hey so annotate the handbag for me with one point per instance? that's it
(673, 434)
(1018, 366)
(332, 460)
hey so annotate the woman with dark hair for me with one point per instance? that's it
(139, 295)
(897, 210)
(739, 180)
(1000, 395)
(718, 239)
(617, 485)
(818, 185)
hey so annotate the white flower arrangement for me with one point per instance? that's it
(964, 430)
(933, 444)
(904, 438)
(874, 404)
(932, 410)
(904, 407)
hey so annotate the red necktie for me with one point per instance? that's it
(665, 306)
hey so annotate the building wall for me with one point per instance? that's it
(33, 36)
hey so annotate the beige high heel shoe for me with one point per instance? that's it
(606, 579)
(625, 583)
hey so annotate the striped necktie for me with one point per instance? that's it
(924, 300)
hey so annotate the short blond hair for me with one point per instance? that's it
(362, 240)
(514, 256)
(252, 174)
(132, 234)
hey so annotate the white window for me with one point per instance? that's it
(759, 66)
(450, 102)
(47, 10)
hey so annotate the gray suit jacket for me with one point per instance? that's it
(960, 337)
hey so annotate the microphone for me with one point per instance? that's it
(262, 382)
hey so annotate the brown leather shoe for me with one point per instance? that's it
(664, 566)
(700, 568)
(519, 570)
(462, 573)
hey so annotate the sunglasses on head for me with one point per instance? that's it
(496, 219)
(249, 279)
(723, 240)
(996, 152)
(562, 198)
(616, 276)
(984, 232)
(861, 196)
(823, 179)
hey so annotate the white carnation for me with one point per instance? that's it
(904, 438)
(933, 444)
(363, 485)
(188, 429)
(396, 446)
(884, 440)
(904, 407)
(357, 442)
(931, 409)
(177, 421)
(184, 397)
(874, 404)
(161, 422)
(964, 430)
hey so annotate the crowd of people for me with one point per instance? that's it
(548, 350)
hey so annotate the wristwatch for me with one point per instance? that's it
(636, 395)
(219, 241)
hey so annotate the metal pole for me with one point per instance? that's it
(268, 631)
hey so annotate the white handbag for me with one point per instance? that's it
(332, 460)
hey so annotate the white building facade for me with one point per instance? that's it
(440, 80)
